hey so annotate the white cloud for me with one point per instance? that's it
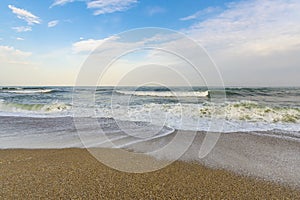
(53, 23)
(88, 45)
(8, 50)
(60, 2)
(11, 55)
(19, 38)
(254, 42)
(257, 26)
(114, 42)
(25, 15)
(110, 6)
(22, 28)
(201, 13)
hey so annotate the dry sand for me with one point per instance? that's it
(75, 174)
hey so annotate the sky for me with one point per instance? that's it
(252, 43)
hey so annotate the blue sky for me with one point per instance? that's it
(77, 21)
(45, 42)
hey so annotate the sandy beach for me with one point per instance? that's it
(75, 174)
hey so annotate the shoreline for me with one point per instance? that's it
(248, 154)
(74, 173)
(243, 153)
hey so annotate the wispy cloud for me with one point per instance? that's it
(60, 2)
(102, 6)
(258, 40)
(155, 10)
(25, 15)
(110, 6)
(19, 38)
(52, 23)
(88, 45)
(200, 13)
(251, 26)
(22, 28)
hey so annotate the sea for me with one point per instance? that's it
(43, 117)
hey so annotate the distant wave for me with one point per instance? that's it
(30, 91)
(11, 88)
(165, 93)
(246, 92)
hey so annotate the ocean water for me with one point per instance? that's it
(43, 117)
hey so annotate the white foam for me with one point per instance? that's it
(29, 91)
(165, 93)
(238, 116)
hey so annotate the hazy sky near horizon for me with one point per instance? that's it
(253, 43)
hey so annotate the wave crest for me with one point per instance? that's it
(30, 91)
(252, 111)
(40, 108)
(165, 93)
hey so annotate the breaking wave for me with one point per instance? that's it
(30, 91)
(165, 93)
(253, 112)
(245, 111)
(40, 108)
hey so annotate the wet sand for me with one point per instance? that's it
(75, 174)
